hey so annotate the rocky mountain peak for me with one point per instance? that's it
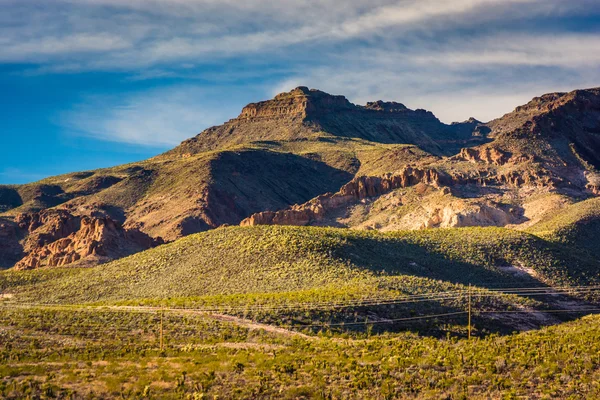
(388, 106)
(299, 102)
(550, 106)
(302, 112)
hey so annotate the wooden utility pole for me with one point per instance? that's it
(469, 324)
(162, 311)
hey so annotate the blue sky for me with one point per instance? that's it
(93, 83)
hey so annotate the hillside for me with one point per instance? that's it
(310, 158)
(271, 273)
(577, 225)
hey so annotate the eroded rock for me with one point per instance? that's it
(359, 188)
(58, 238)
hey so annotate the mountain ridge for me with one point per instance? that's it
(293, 149)
(309, 111)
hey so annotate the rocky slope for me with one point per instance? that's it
(308, 157)
(546, 146)
(358, 189)
(57, 238)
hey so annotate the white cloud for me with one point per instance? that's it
(563, 50)
(17, 176)
(138, 34)
(451, 93)
(52, 46)
(453, 57)
(161, 118)
(406, 13)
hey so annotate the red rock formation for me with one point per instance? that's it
(532, 177)
(46, 226)
(359, 188)
(58, 238)
(486, 154)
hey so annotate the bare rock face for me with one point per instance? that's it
(359, 188)
(46, 227)
(58, 238)
(461, 214)
(300, 102)
(484, 154)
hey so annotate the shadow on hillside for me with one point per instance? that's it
(250, 181)
(11, 247)
(9, 198)
(396, 257)
(393, 257)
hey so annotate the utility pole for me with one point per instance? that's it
(469, 327)
(162, 311)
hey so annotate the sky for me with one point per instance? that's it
(86, 84)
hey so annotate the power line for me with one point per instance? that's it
(405, 299)
(410, 299)
(581, 310)
(386, 321)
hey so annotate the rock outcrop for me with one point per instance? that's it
(484, 154)
(58, 238)
(593, 182)
(359, 188)
(46, 226)
(300, 102)
(462, 214)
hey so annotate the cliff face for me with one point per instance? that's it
(299, 103)
(359, 188)
(57, 238)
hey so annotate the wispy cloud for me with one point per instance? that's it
(452, 92)
(572, 50)
(459, 58)
(39, 48)
(110, 34)
(16, 176)
(158, 118)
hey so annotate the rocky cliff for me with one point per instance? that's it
(359, 188)
(57, 238)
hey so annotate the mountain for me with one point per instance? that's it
(537, 159)
(304, 114)
(310, 158)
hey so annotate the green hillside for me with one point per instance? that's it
(237, 260)
(298, 275)
(576, 225)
